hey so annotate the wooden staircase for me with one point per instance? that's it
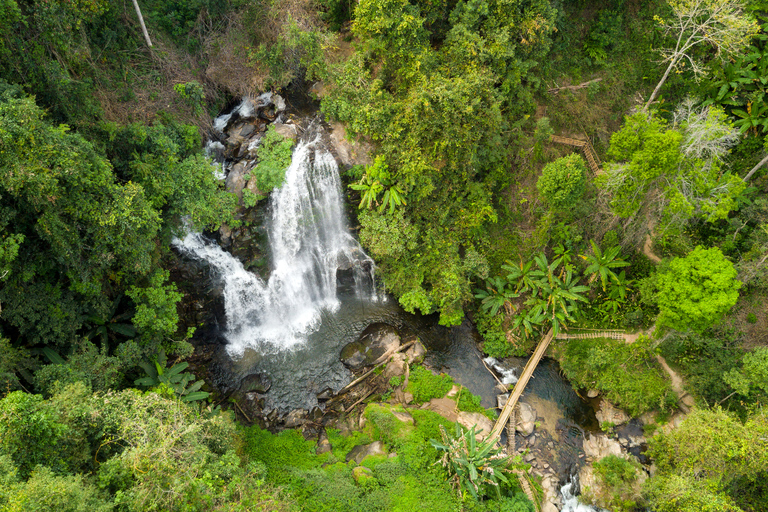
(586, 149)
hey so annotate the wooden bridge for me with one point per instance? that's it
(586, 148)
(533, 362)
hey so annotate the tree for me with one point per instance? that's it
(677, 171)
(720, 24)
(562, 182)
(697, 290)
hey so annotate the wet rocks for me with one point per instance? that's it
(374, 346)
(255, 383)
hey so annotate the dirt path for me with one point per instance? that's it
(648, 243)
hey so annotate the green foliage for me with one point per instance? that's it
(601, 264)
(703, 360)
(753, 374)
(12, 360)
(174, 377)
(419, 101)
(628, 374)
(715, 452)
(562, 182)
(156, 313)
(618, 489)
(192, 94)
(425, 385)
(473, 466)
(274, 159)
(87, 364)
(680, 166)
(697, 290)
(44, 490)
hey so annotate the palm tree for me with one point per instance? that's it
(601, 263)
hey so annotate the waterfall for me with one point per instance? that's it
(310, 246)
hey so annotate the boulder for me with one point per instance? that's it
(295, 418)
(445, 407)
(349, 153)
(374, 346)
(526, 419)
(255, 383)
(323, 444)
(361, 451)
(609, 413)
(288, 131)
(236, 179)
(395, 367)
(597, 446)
(483, 424)
(592, 393)
(361, 474)
(403, 416)
(416, 352)
(225, 236)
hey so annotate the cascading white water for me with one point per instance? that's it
(309, 242)
(571, 503)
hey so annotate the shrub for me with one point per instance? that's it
(274, 158)
(618, 477)
(562, 182)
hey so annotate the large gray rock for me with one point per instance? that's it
(256, 383)
(395, 367)
(597, 446)
(235, 182)
(349, 153)
(288, 131)
(295, 418)
(609, 413)
(376, 344)
(416, 353)
(483, 425)
(526, 419)
(361, 451)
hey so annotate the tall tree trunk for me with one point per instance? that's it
(755, 168)
(658, 86)
(141, 21)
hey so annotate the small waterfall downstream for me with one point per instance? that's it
(312, 254)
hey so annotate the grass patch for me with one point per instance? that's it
(425, 385)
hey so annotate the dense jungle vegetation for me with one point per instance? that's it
(468, 208)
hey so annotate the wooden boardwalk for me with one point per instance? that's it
(586, 148)
(533, 362)
(613, 334)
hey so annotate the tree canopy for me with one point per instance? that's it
(696, 291)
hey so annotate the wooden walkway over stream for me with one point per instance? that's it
(533, 362)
